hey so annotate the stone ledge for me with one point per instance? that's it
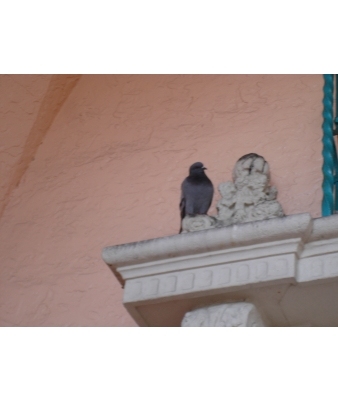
(186, 271)
(296, 226)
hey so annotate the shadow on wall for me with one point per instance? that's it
(59, 88)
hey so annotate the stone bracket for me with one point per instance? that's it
(240, 314)
(241, 262)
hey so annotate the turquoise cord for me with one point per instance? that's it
(329, 151)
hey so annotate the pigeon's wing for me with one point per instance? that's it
(183, 201)
(204, 195)
(182, 208)
(182, 204)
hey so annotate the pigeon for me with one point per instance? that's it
(197, 192)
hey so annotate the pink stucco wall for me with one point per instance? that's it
(20, 100)
(109, 167)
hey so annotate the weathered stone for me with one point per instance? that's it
(249, 197)
(239, 314)
(197, 223)
(287, 267)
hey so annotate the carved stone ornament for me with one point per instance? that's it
(197, 223)
(249, 197)
(240, 314)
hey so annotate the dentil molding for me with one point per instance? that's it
(286, 268)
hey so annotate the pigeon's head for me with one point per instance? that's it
(197, 168)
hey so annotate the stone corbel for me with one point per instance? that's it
(240, 314)
(286, 267)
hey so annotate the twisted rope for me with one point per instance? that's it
(328, 147)
(335, 132)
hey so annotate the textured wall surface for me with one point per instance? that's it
(20, 100)
(28, 105)
(109, 171)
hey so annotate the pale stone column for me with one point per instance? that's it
(239, 314)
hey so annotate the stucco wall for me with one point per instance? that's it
(20, 100)
(109, 171)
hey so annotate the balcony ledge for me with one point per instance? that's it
(286, 267)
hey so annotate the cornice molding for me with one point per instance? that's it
(196, 269)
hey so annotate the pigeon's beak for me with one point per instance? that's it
(204, 168)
